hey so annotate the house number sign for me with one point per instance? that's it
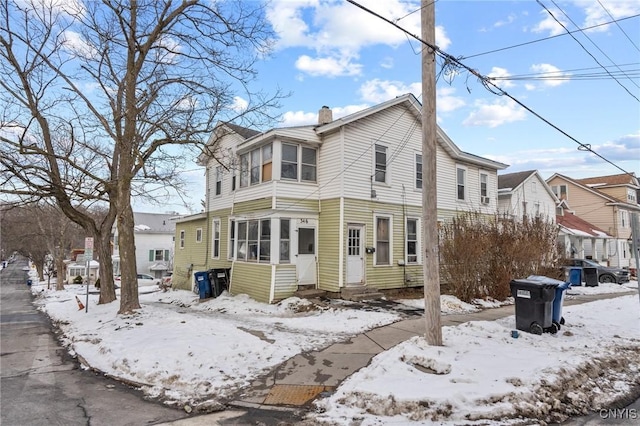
(303, 220)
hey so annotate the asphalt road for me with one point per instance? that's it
(40, 384)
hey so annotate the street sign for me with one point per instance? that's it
(88, 243)
(88, 254)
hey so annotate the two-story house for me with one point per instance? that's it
(525, 193)
(607, 202)
(154, 235)
(333, 206)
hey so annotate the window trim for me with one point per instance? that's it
(215, 227)
(482, 173)
(280, 240)
(418, 241)
(182, 237)
(375, 165)
(389, 218)
(198, 235)
(416, 172)
(231, 238)
(465, 186)
(218, 182)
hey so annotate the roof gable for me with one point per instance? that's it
(513, 180)
(620, 179)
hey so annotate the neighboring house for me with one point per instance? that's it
(580, 239)
(607, 202)
(525, 193)
(334, 206)
(154, 234)
(79, 267)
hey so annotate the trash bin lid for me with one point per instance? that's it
(527, 283)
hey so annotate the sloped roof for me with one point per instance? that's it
(621, 179)
(578, 226)
(245, 132)
(513, 180)
(154, 223)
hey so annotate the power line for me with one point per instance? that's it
(584, 48)
(452, 61)
(619, 27)
(572, 74)
(548, 38)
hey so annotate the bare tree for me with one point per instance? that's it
(101, 97)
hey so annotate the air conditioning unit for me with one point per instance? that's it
(485, 200)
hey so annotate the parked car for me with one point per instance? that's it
(606, 274)
(144, 280)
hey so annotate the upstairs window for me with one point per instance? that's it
(158, 255)
(255, 166)
(560, 191)
(418, 171)
(218, 180)
(380, 174)
(484, 184)
(181, 239)
(298, 161)
(461, 182)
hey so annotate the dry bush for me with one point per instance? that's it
(480, 255)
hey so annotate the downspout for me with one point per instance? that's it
(404, 234)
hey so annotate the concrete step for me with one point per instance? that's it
(310, 293)
(359, 293)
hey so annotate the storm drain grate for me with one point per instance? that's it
(294, 394)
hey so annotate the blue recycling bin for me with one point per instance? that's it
(204, 284)
(29, 282)
(575, 276)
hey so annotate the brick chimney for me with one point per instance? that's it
(325, 115)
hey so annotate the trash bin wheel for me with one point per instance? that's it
(557, 325)
(562, 320)
(535, 328)
(554, 328)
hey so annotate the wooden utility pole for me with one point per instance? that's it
(430, 265)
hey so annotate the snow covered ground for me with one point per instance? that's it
(181, 350)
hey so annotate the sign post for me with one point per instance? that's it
(88, 257)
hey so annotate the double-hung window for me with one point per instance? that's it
(380, 174)
(218, 180)
(285, 241)
(560, 191)
(182, 239)
(199, 235)
(308, 166)
(484, 185)
(215, 242)
(412, 240)
(461, 183)
(383, 240)
(418, 171)
(289, 162)
(232, 238)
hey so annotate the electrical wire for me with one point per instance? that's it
(619, 27)
(547, 38)
(584, 48)
(489, 85)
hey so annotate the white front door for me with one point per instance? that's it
(355, 254)
(306, 257)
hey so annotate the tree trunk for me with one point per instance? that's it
(60, 272)
(129, 275)
(103, 248)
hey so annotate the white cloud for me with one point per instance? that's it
(510, 19)
(494, 114)
(376, 91)
(595, 12)
(301, 118)
(550, 25)
(74, 43)
(337, 31)
(239, 104)
(446, 101)
(387, 62)
(328, 66)
(497, 72)
(554, 77)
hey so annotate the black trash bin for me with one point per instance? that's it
(204, 285)
(534, 305)
(219, 280)
(590, 276)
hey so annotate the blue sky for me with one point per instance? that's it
(332, 53)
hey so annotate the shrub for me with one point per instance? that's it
(78, 279)
(480, 255)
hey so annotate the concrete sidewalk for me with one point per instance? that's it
(294, 384)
